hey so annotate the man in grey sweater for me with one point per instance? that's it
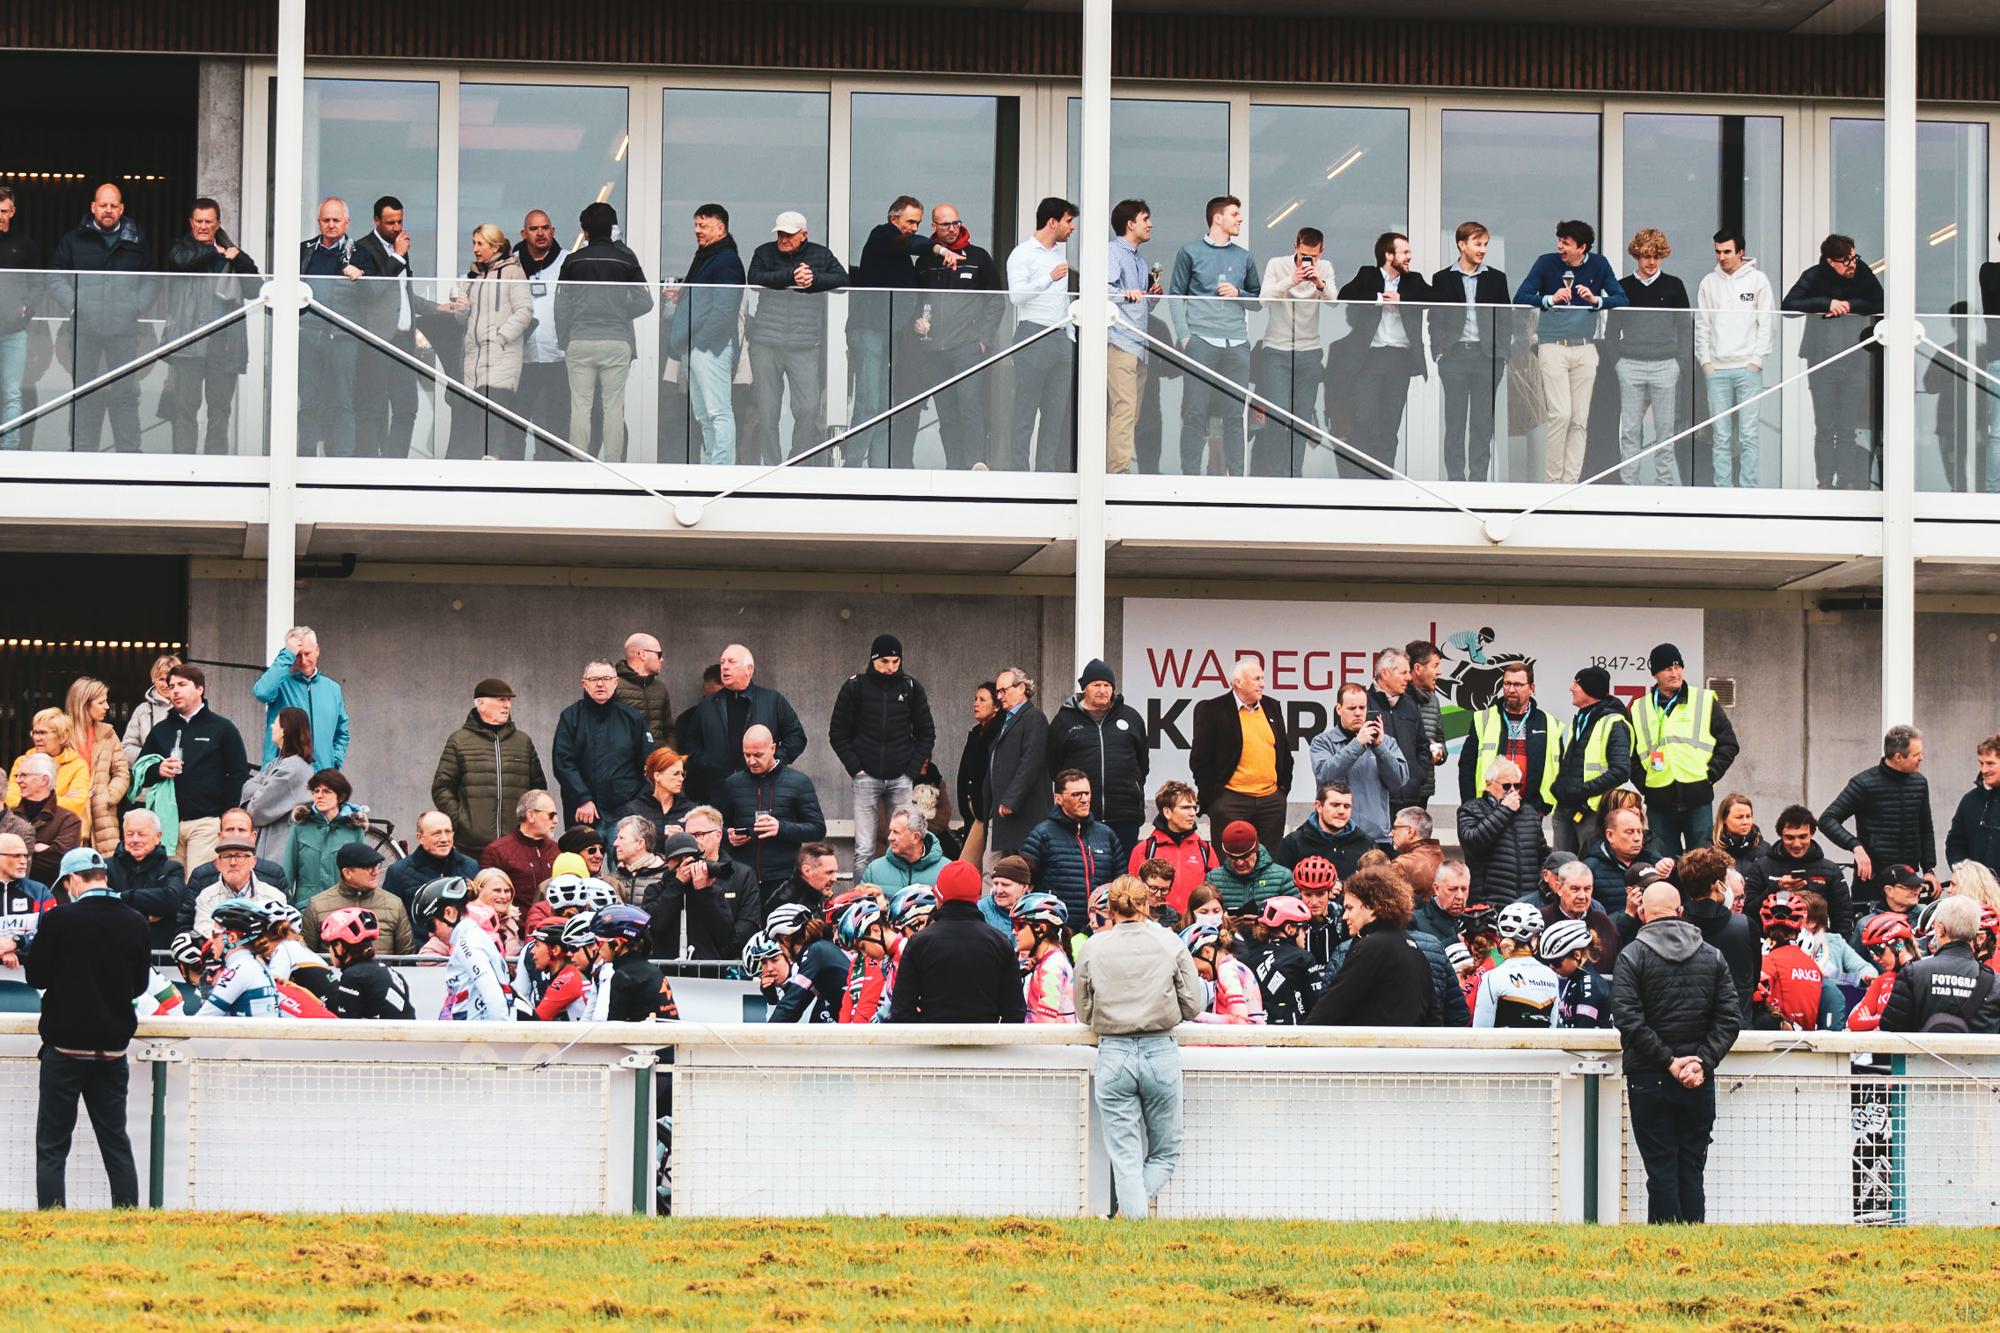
(1133, 986)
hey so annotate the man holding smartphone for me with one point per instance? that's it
(1298, 289)
(770, 809)
(1358, 751)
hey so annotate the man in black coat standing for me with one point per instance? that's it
(1383, 351)
(1097, 732)
(1844, 298)
(883, 733)
(1975, 826)
(1891, 808)
(711, 735)
(1471, 347)
(1241, 756)
(1017, 775)
(1404, 721)
(90, 958)
(958, 969)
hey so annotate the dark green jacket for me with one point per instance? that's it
(480, 776)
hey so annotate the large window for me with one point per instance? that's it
(1690, 176)
(1342, 169)
(1951, 203)
(524, 147)
(756, 153)
(369, 137)
(1174, 155)
(1520, 173)
(963, 151)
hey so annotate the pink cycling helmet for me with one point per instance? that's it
(350, 925)
(1283, 910)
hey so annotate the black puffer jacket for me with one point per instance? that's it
(1672, 997)
(1385, 982)
(1949, 982)
(1113, 752)
(600, 290)
(1503, 848)
(1730, 934)
(1975, 828)
(1892, 818)
(882, 725)
(103, 306)
(1071, 859)
(788, 796)
(192, 302)
(787, 315)
(153, 888)
(1828, 879)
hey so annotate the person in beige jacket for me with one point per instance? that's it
(497, 311)
(88, 704)
(1133, 986)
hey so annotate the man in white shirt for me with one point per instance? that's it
(1735, 322)
(1291, 365)
(1044, 373)
(1384, 350)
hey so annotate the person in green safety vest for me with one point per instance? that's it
(1682, 744)
(1516, 729)
(1596, 760)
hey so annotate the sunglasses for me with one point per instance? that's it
(1510, 786)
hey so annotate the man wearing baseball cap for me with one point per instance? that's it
(486, 767)
(787, 332)
(360, 886)
(1596, 760)
(1682, 744)
(90, 957)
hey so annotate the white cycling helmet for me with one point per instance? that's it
(597, 895)
(1519, 922)
(564, 892)
(1562, 939)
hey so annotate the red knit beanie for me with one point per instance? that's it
(958, 883)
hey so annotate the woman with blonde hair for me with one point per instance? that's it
(493, 887)
(151, 710)
(88, 704)
(49, 734)
(494, 306)
(1972, 880)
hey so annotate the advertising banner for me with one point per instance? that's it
(1180, 652)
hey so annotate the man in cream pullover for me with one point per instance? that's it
(1735, 333)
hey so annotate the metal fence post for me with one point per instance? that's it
(156, 1163)
(1593, 1085)
(1899, 1209)
(642, 1064)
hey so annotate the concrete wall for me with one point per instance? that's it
(219, 141)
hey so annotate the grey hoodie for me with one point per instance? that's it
(1673, 996)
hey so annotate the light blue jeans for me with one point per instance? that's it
(710, 377)
(1991, 484)
(13, 365)
(1138, 1094)
(869, 793)
(1734, 436)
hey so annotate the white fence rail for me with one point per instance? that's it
(1306, 1123)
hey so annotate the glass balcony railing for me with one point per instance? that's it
(1958, 403)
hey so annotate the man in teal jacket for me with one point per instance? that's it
(293, 680)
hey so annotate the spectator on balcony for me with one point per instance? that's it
(20, 293)
(210, 282)
(1072, 851)
(600, 291)
(888, 262)
(152, 708)
(703, 307)
(1570, 286)
(282, 785)
(713, 738)
(1842, 298)
(294, 680)
(1132, 291)
(1891, 808)
(1096, 731)
(332, 264)
(495, 309)
(1383, 350)
(883, 735)
(151, 882)
(1240, 755)
(1975, 826)
(328, 822)
(1358, 750)
(1682, 745)
(99, 280)
(434, 857)
(770, 809)
(1289, 367)
(642, 688)
(385, 387)
(1596, 760)
(1045, 372)
(486, 766)
(665, 802)
(543, 396)
(788, 335)
(237, 826)
(1471, 347)
(600, 750)
(1651, 346)
(956, 328)
(1735, 332)
(1328, 832)
(1404, 718)
(1017, 773)
(1222, 278)
(201, 753)
(528, 854)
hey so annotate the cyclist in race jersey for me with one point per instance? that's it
(196, 967)
(570, 955)
(1041, 939)
(1519, 991)
(1790, 986)
(1318, 882)
(633, 990)
(1480, 933)
(292, 962)
(910, 910)
(791, 997)
(474, 985)
(1233, 996)
(1286, 972)
(243, 988)
(1890, 944)
(1584, 1000)
(803, 938)
(863, 933)
(363, 987)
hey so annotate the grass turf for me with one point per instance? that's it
(175, 1271)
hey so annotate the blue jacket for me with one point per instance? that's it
(321, 700)
(890, 872)
(1567, 321)
(403, 878)
(705, 317)
(1071, 859)
(789, 796)
(600, 755)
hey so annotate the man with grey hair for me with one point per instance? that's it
(914, 857)
(1241, 754)
(600, 750)
(294, 680)
(1403, 719)
(1952, 990)
(1017, 771)
(56, 830)
(151, 882)
(330, 263)
(528, 854)
(1891, 808)
(713, 739)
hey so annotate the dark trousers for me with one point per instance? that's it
(1676, 830)
(95, 354)
(189, 384)
(1470, 381)
(543, 398)
(1266, 814)
(101, 1084)
(326, 393)
(1044, 381)
(1382, 389)
(476, 432)
(1673, 1126)
(385, 400)
(1202, 397)
(1843, 407)
(961, 409)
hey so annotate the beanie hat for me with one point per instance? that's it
(958, 883)
(1664, 656)
(1239, 838)
(568, 863)
(1097, 669)
(1595, 682)
(885, 645)
(578, 839)
(1015, 868)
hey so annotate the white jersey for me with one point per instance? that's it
(475, 988)
(1519, 993)
(242, 989)
(289, 956)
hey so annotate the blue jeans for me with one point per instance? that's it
(870, 350)
(869, 793)
(1736, 432)
(1676, 831)
(1138, 1093)
(1990, 483)
(13, 365)
(711, 376)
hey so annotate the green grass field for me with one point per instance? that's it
(174, 1271)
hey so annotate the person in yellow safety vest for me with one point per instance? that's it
(1682, 744)
(1516, 729)
(1596, 760)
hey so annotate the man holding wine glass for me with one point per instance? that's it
(1569, 286)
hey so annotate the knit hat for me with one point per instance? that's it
(577, 839)
(568, 863)
(357, 856)
(958, 883)
(885, 645)
(1239, 838)
(493, 688)
(1014, 868)
(1595, 681)
(1097, 669)
(1664, 656)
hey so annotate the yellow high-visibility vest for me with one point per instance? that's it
(1488, 730)
(1674, 747)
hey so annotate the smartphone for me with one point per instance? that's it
(747, 831)
(1377, 719)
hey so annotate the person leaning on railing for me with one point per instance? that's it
(106, 301)
(494, 306)
(19, 293)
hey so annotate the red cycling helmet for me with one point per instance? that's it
(1989, 920)
(1783, 908)
(1886, 928)
(1283, 910)
(1316, 872)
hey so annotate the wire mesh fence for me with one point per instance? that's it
(20, 1095)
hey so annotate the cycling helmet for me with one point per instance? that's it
(1198, 937)
(186, 949)
(1519, 922)
(854, 922)
(1886, 928)
(579, 932)
(1316, 872)
(350, 925)
(550, 933)
(1478, 919)
(1283, 910)
(434, 897)
(287, 915)
(1457, 955)
(786, 919)
(1100, 900)
(911, 905)
(1044, 907)
(241, 916)
(563, 892)
(598, 895)
(620, 922)
(759, 950)
(1783, 908)
(1562, 939)
(837, 905)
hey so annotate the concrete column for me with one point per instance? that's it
(218, 153)
(1899, 365)
(1092, 316)
(285, 290)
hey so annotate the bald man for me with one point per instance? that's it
(713, 740)
(331, 263)
(105, 297)
(769, 809)
(1677, 1012)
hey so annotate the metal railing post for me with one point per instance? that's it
(1593, 1088)
(156, 1164)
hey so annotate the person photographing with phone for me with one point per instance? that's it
(769, 810)
(1358, 750)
